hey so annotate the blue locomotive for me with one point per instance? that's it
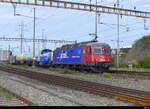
(44, 59)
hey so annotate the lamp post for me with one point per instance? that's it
(34, 35)
(34, 29)
(1, 53)
(118, 28)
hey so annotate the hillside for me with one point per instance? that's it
(140, 48)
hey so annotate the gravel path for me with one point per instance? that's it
(50, 95)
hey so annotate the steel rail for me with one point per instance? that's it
(131, 73)
(95, 88)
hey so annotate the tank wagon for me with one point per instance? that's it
(18, 60)
(90, 55)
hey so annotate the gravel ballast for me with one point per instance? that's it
(50, 95)
(114, 80)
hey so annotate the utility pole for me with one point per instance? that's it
(118, 29)
(43, 45)
(14, 6)
(9, 52)
(29, 49)
(34, 35)
(21, 36)
(145, 28)
(96, 36)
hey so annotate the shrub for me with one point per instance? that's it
(124, 50)
(113, 60)
(66, 71)
(124, 65)
(144, 62)
(9, 97)
(134, 63)
(107, 75)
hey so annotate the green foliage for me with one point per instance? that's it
(124, 50)
(144, 62)
(34, 104)
(134, 63)
(124, 65)
(61, 70)
(9, 97)
(1, 89)
(113, 59)
(106, 75)
(67, 71)
(144, 38)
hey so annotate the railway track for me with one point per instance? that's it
(8, 98)
(142, 75)
(129, 95)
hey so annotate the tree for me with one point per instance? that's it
(134, 63)
(144, 62)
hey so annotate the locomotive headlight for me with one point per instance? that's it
(102, 57)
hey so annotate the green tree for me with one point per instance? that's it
(134, 63)
(113, 59)
(144, 62)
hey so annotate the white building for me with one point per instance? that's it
(4, 55)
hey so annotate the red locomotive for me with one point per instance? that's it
(97, 56)
(90, 55)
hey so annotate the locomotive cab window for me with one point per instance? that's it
(96, 50)
(106, 51)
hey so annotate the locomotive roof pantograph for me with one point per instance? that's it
(90, 43)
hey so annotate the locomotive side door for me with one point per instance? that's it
(86, 54)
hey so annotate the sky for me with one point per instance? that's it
(73, 25)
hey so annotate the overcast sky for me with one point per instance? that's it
(72, 25)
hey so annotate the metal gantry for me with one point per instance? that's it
(84, 7)
(36, 40)
(81, 6)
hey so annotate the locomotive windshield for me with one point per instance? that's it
(45, 51)
(96, 50)
(106, 50)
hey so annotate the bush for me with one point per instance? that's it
(134, 63)
(113, 60)
(144, 62)
(124, 65)
(107, 75)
